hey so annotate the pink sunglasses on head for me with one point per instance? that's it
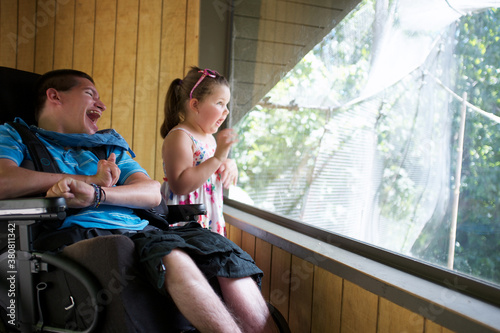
(206, 72)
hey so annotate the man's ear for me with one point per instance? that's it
(53, 96)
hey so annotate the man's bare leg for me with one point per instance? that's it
(245, 300)
(194, 296)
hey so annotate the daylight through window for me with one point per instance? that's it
(363, 136)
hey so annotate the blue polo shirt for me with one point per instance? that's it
(72, 159)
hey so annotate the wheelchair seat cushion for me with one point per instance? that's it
(215, 255)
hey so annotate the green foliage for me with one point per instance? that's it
(478, 238)
(275, 141)
(477, 250)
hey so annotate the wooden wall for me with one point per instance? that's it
(314, 300)
(132, 48)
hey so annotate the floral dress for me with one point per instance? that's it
(210, 193)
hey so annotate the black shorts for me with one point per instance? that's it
(215, 255)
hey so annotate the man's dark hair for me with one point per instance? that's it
(60, 80)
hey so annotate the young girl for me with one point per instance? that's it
(196, 166)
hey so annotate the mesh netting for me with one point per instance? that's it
(377, 163)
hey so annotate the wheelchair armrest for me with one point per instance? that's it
(31, 216)
(185, 213)
(33, 209)
(163, 215)
(55, 209)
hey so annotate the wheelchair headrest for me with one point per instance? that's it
(17, 95)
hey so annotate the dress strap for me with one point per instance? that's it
(185, 131)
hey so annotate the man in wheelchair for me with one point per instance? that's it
(104, 195)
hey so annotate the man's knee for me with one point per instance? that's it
(178, 263)
(176, 257)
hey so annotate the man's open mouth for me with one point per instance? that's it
(94, 115)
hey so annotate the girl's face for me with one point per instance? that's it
(212, 111)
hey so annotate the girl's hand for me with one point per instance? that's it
(229, 173)
(225, 139)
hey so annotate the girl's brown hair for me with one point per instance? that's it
(179, 93)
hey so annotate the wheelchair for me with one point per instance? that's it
(92, 285)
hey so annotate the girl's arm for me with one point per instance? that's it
(177, 153)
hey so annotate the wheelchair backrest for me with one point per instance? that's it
(17, 95)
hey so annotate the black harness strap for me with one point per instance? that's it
(42, 159)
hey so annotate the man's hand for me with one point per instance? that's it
(107, 172)
(78, 194)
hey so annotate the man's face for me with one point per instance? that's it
(80, 108)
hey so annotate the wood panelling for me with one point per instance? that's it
(393, 318)
(85, 24)
(132, 48)
(173, 63)
(26, 35)
(359, 309)
(235, 235)
(192, 33)
(64, 34)
(248, 243)
(104, 54)
(315, 300)
(280, 280)
(122, 105)
(146, 88)
(44, 27)
(327, 301)
(8, 33)
(301, 295)
(263, 256)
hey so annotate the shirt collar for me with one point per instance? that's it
(107, 137)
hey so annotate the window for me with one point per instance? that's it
(385, 130)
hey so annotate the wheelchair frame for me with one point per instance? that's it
(18, 296)
(20, 299)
